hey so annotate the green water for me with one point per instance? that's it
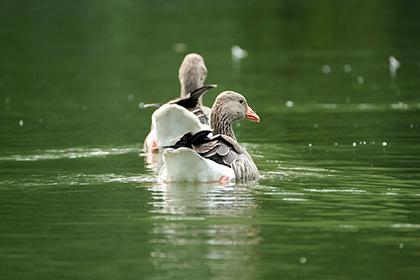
(339, 152)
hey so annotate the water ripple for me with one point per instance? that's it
(77, 180)
(335, 190)
(414, 226)
(349, 107)
(71, 153)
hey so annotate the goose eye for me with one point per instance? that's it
(241, 101)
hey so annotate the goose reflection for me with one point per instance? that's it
(204, 229)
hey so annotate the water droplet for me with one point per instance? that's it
(364, 142)
(394, 64)
(180, 47)
(335, 144)
(346, 226)
(401, 245)
(360, 80)
(141, 105)
(20, 123)
(399, 106)
(316, 125)
(289, 103)
(130, 97)
(347, 68)
(384, 144)
(310, 145)
(412, 125)
(326, 69)
(7, 103)
(302, 260)
(354, 144)
(238, 53)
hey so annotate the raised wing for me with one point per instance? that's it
(221, 149)
(191, 101)
(171, 121)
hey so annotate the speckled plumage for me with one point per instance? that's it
(226, 110)
(222, 148)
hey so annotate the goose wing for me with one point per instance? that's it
(201, 115)
(218, 151)
(191, 103)
(221, 149)
(230, 142)
(171, 121)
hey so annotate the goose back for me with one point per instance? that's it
(221, 149)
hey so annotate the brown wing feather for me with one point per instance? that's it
(223, 150)
(203, 148)
(229, 141)
(210, 153)
(219, 152)
(200, 115)
(230, 158)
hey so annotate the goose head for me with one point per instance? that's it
(234, 107)
(229, 107)
(192, 73)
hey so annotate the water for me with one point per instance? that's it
(338, 146)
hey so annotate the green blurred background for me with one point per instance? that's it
(338, 146)
(73, 64)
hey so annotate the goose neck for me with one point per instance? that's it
(190, 84)
(222, 124)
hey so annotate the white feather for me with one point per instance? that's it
(185, 165)
(171, 121)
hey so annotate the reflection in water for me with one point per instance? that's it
(153, 161)
(193, 230)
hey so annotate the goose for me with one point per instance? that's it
(194, 116)
(192, 74)
(201, 157)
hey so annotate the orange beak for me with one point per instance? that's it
(251, 115)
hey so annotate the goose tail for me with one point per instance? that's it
(185, 165)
